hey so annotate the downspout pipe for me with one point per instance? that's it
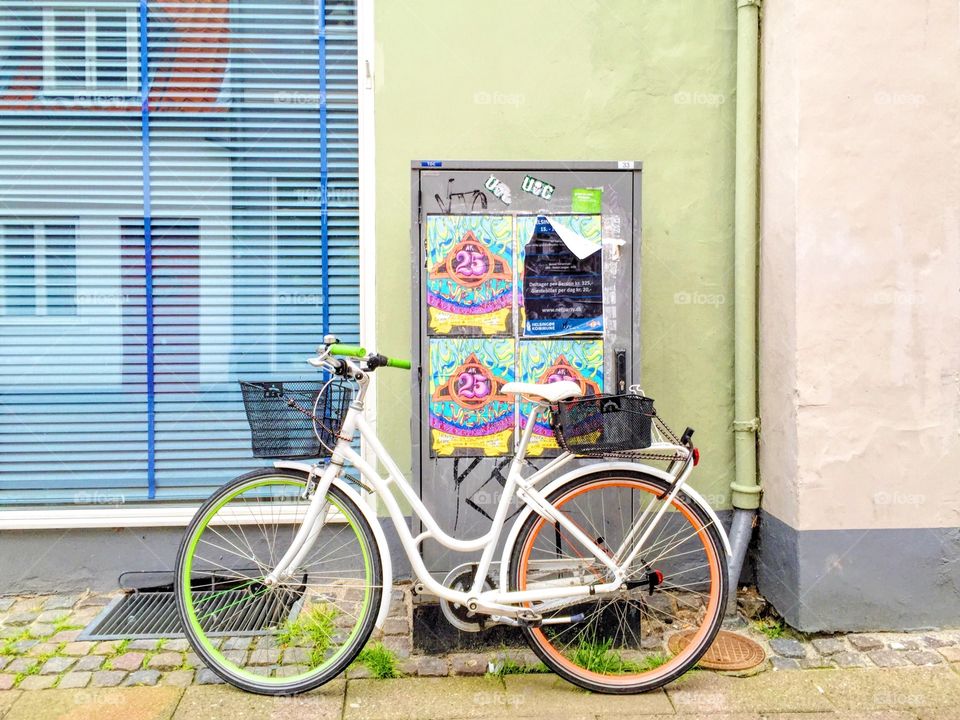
(746, 424)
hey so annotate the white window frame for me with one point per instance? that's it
(91, 86)
(39, 270)
(366, 172)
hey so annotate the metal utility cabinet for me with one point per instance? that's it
(526, 271)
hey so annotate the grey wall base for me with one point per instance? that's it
(843, 580)
(824, 580)
(68, 561)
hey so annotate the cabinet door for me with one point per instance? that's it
(490, 311)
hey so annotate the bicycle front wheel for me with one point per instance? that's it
(673, 598)
(296, 634)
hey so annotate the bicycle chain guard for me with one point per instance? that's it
(461, 578)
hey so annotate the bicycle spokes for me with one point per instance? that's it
(287, 631)
(672, 586)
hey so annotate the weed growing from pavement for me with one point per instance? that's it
(509, 666)
(380, 661)
(771, 627)
(8, 646)
(64, 625)
(598, 657)
(34, 669)
(316, 626)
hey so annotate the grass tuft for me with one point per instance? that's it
(509, 666)
(66, 626)
(313, 628)
(380, 661)
(651, 662)
(769, 626)
(598, 657)
(8, 645)
(34, 669)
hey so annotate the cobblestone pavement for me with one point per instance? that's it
(39, 650)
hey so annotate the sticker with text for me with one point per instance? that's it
(538, 188)
(499, 189)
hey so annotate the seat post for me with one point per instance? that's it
(521, 450)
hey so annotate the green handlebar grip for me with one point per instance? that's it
(348, 350)
(395, 363)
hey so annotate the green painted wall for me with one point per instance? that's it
(650, 80)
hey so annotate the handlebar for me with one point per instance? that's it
(373, 361)
(347, 350)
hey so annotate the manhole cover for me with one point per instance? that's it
(728, 652)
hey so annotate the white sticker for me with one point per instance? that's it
(498, 188)
(625, 164)
(611, 226)
(538, 188)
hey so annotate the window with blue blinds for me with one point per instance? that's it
(178, 210)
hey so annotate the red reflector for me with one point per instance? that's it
(659, 576)
(696, 456)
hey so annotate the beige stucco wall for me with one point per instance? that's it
(777, 291)
(860, 264)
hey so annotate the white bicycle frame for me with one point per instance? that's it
(503, 604)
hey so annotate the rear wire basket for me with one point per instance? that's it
(604, 425)
(295, 419)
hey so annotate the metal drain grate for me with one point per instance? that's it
(152, 613)
(729, 651)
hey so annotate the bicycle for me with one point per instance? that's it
(284, 572)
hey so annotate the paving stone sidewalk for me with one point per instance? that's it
(40, 650)
(907, 693)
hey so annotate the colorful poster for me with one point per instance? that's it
(546, 361)
(561, 281)
(469, 412)
(470, 274)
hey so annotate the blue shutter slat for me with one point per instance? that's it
(237, 288)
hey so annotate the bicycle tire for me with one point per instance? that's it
(713, 615)
(203, 645)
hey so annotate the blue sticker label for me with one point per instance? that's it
(431, 163)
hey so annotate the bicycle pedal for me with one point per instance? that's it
(528, 618)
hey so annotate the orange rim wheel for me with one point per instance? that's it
(618, 642)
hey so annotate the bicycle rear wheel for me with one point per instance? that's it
(294, 635)
(617, 642)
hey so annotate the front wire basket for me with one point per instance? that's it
(613, 426)
(295, 419)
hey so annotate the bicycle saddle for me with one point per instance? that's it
(551, 392)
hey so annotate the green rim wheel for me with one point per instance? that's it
(293, 635)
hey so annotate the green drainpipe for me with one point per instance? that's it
(745, 487)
